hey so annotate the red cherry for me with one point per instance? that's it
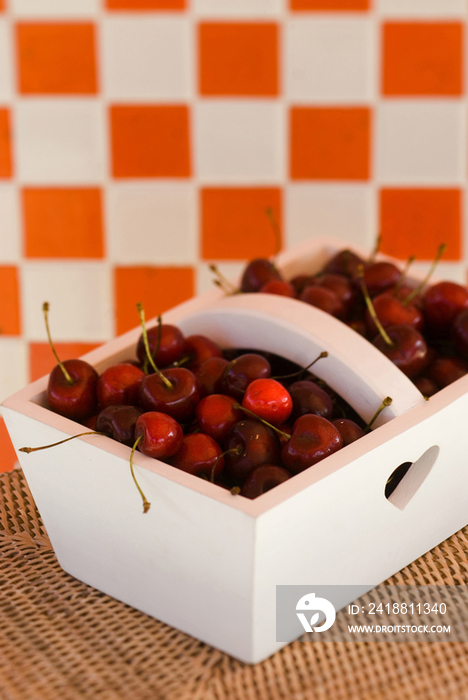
(243, 370)
(263, 479)
(348, 429)
(279, 287)
(209, 375)
(340, 285)
(459, 332)
(446, 370)
(426, 386)
(391, 311)
(76, 400)
(380, 276)
(269, 400)
(442, 303)
(178, 400)
(257, 273)
(170, 347)
(200, 348)
(119, 384)
(162, 435)
(255, 443)
(408, 351)
(345, 262)
(308, 397)
(313, 439)
(198, 454)
(216, 415)
(324, 299)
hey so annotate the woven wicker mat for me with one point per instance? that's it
(61, 639)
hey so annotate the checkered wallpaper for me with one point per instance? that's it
(142, 139)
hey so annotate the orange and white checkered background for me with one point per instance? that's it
(141, 140)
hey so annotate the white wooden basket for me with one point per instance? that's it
(208, 562)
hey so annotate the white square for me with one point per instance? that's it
(329, 60)
(6, 62)
(420, 141)
(10, 233)
(422, 8)
(13, 366)
(146, 57)
(239, 141)
(152, 223)
(238, 8)
(54, 8)
(339, 211)
(79, 294)
(60, 141)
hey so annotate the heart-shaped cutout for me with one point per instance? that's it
(409, 477)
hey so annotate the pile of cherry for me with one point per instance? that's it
(242, 419)
(423, 330)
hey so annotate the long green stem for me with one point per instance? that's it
(420, 287)
(141, 313)
(45, 309)
(146, 503)
(262, 420)
(370, 306)
(60, 442)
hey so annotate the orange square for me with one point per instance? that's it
(10, 323)
(422, 58)
(235, 225)
(42, 361)
(150, 141)
(330, 143)
(146, 4)
(63, 223)
(417, 221)
(157, 288)
(2, 5)
(56, 58)
(238, 58)
(5, 144)
(6, 450)
(326, 5)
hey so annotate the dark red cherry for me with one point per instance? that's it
(426, 386)
(408, 351)
(170, 348)
(442, 303)
(280, 287)
(324, 299)
(380, 276)
(119, 384)
(209, 374)
(256, 443)
(198, 454)
(263, 479)
(200, 348)
(76, 400)
(313, 439)
(118, 422)
(257, 273)
(391, 311)
(345, 262)
(308, 397)
(340, 285)
(178, 400)
(348, 429)
(243, 370)
(446, 370)
(162, 435)
(459, 332)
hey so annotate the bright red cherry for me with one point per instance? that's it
(170, 348)
(280, 287)
(391, 311)
(178, 400)
(119, 384)
(200, 348)
(216, 415)
(269, 400)
(75, 399)
(162, 435)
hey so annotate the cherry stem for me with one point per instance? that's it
(262, 420)
(323, 354)
(370, 306)
(235, 491)
(386, 402)
(146, 504)
(276, 230)
(420, 287)
(60, 442)
(376, 248)
(141, 313)
(236, 450)
(222, 282)
(404, 274)
(45, 309)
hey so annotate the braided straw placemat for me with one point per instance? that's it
(61, 639)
